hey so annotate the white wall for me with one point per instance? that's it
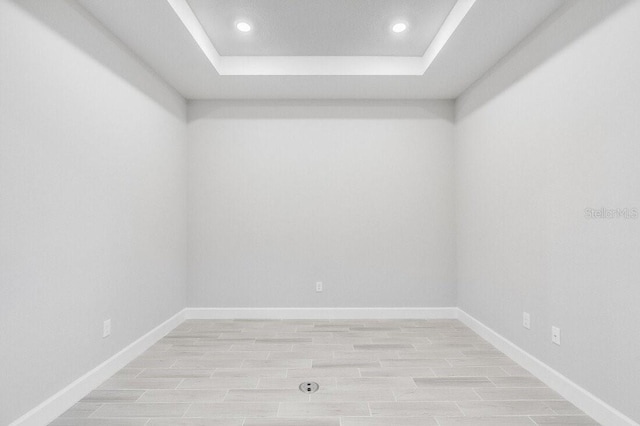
(92, 201)
(562, 138)
(357, 195)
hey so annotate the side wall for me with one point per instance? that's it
(530, 161)
(92, 201)
(357, 195)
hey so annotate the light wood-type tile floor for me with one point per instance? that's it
(370, 372)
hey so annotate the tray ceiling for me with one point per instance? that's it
(337, 49)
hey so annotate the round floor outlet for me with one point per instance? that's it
(308, 387)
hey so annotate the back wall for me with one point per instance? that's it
(358, 195)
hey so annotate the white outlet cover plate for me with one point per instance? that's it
(526, 320)
(555, 335)
(106, 328)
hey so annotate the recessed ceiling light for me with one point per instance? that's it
(399, 27)
(243, 26)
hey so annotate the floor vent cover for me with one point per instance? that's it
(308, 387)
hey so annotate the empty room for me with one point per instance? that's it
(319, 212)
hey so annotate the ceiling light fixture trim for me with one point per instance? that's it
(243, 26)
(399, 27)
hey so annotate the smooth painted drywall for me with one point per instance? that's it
(357, 195)
(562, 138)
(92, 200)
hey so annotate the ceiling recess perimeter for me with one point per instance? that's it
(330, 37)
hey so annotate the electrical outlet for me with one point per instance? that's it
(106, 328)
(319, 287)
(555, 335)
(526, 320)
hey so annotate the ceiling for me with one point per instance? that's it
(321, 49)
(321, 28)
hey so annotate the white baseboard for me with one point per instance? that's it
(322, 313)
(592, 405)
(64, 399)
